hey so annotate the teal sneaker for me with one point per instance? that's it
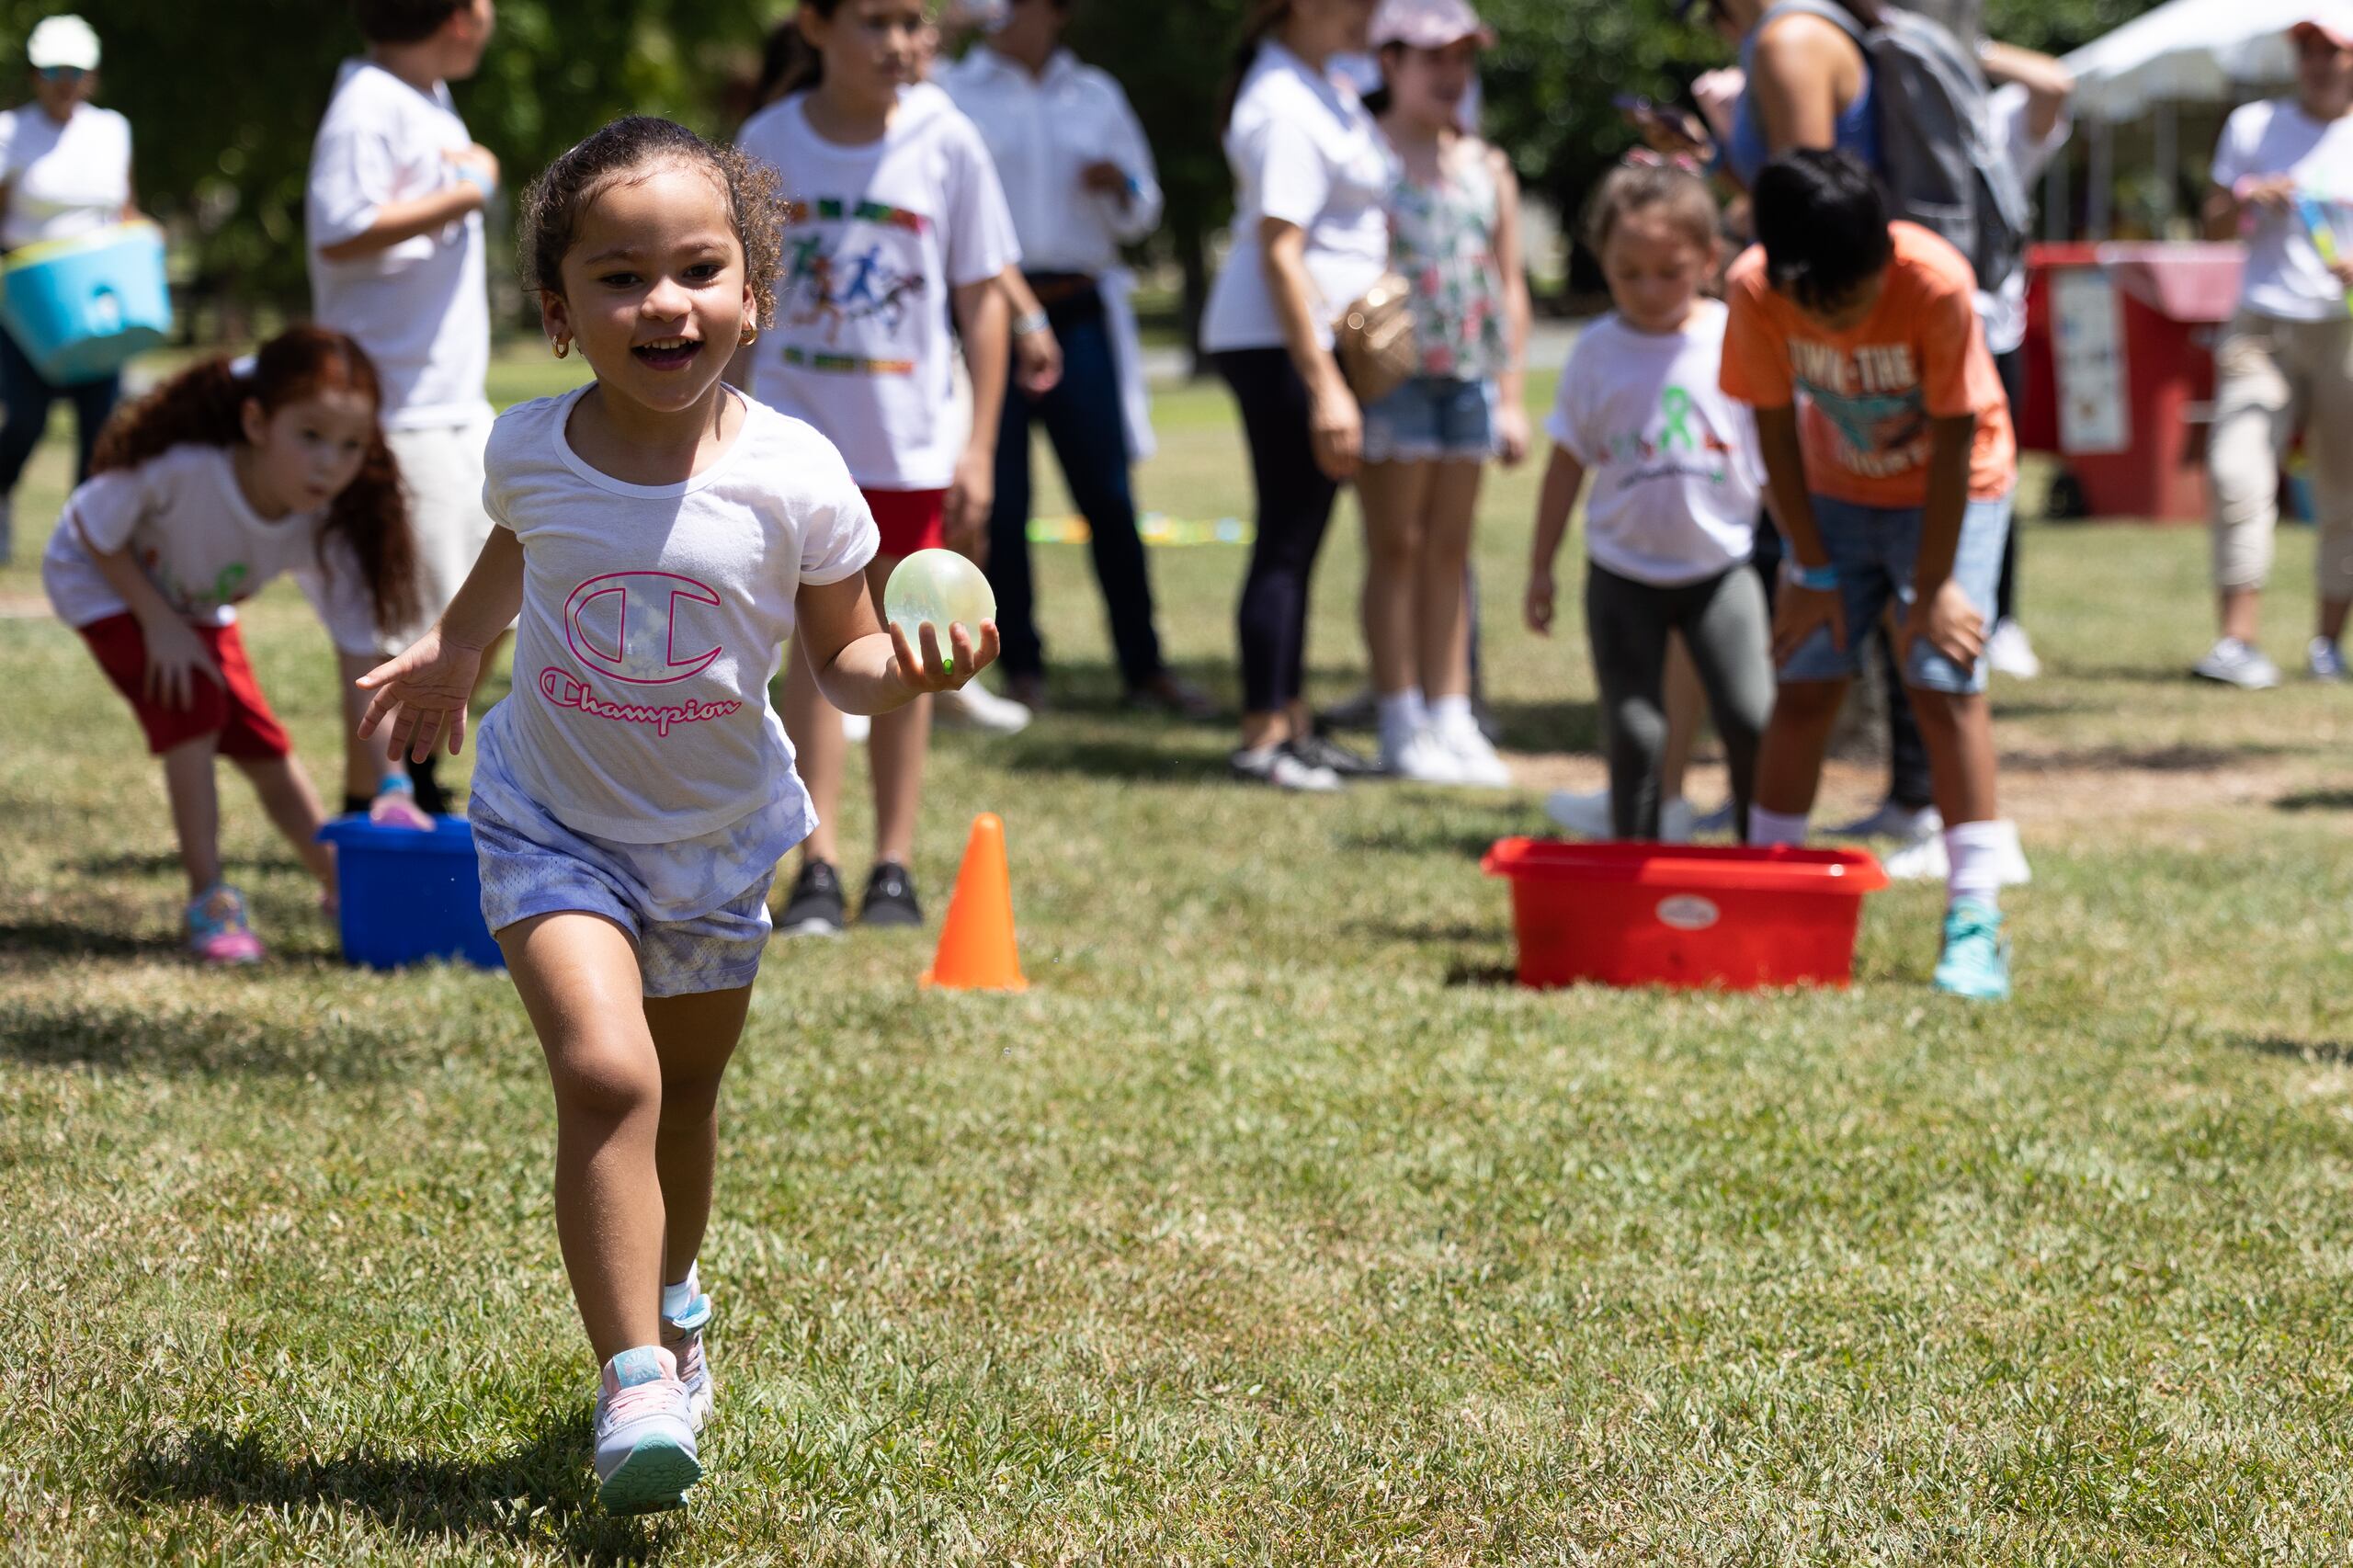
(1976, 962)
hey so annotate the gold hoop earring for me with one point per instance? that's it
(749, 338)
(564, 348)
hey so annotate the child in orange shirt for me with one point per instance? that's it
(1887, 448)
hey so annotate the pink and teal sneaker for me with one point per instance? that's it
(217, 931)
(645, 1435)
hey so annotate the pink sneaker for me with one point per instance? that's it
(217, 931)
(398, 808)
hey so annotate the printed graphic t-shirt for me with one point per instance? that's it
(188, 523)
(1866, 394)
(879, 236)
(1675, 476)
(653, 616)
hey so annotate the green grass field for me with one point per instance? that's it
(1273, 1226)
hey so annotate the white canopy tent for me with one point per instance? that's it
(2210, 53)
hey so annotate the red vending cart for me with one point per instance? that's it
(2121, 368)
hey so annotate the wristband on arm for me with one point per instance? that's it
(1814, 579)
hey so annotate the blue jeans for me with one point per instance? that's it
(27, 397)
(1086, 421)
(1432, 419)
(1876, 551)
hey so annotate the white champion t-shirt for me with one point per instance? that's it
(421, 308)
(188, 526)
(63, 180)
(653, 616)
(879, 236)
(1303, 150)
(1676, 478)
(2285, 275)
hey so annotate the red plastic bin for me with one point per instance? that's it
(1668, 914)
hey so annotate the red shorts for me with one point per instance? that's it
(240, 715)
(909, 520)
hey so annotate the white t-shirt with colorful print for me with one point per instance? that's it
(185, 521)
(1676, 478)
(654, 617)
(879, 236)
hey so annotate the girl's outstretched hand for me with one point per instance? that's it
(423, 693)
(928, 670)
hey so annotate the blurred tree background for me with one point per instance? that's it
(224, 99)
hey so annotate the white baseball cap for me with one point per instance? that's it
(67, 42)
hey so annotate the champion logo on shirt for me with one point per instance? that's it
(571, 693)
(626, 625)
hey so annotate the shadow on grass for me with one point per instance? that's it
(1136, 761)
(165, 863)
(2319, 1052)
(519, 1498)
(1481, 976)
(71, 1034)
(2315, 801)
(1422, 834)
(2157, 759)
(60, 939)
(1549, 727)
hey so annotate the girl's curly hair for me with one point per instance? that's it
(554, 206)
(205, 405)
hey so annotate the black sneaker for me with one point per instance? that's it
(1322, 751)
(816, 908)
(890, 898)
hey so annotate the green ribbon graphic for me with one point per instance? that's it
(1675, 403)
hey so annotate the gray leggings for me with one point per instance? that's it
(1724, 623)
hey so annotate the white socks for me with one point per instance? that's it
(1451, 716)
(1402, 717)
(1976, 852)
(1768, 830)
(677, 1298)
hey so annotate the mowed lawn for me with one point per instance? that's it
(1273, 1225)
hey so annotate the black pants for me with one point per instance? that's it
(2012, 369)
(1085, 420)
(1909, 782)
(1295, 502)
(28, 397)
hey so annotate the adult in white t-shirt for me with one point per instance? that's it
(2283, 178)
(394, 218)
(1309, 236)
(64, 172)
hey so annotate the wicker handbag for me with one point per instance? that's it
(1374, 339)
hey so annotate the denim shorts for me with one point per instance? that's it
(1432, 419)
(696, 910)
(1875, 550)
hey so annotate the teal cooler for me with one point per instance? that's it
(410, 897)
(81, 308)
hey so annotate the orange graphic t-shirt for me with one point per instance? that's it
(1866, 394)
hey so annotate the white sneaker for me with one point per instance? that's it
(1928, 860)
(1475, 757)
(1893, 821)
(2232, 663)
(1677, 821)
(1421, 758)
(983, 710)
(856, 727)
(644, 1433)
(1587, 815)
(2324, 661)
(2011, 653)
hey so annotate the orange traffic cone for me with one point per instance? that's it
(976, 946)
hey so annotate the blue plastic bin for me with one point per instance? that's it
(81, 308)
(409, 897)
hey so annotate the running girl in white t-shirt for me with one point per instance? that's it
(220, 479)
(1671, 521)
(662, 537)
(896, 215)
